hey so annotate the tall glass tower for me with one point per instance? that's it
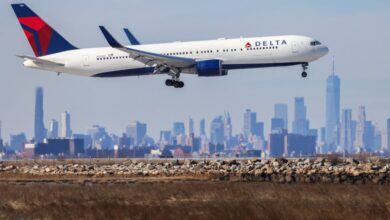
(39, 127)
(332, 110)
(300, 123)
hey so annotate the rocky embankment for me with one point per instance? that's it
(274, 170)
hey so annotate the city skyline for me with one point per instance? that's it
(115, 103)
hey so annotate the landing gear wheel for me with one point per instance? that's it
(169, 82)
(304, 74)
(178, 84)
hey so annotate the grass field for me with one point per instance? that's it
(194, 200)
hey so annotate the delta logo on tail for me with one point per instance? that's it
(43, 39)
(38, 34)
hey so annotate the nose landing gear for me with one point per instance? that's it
(304, 67)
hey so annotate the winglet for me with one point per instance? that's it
(133, 40)
(110, 39)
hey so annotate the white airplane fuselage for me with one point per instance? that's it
(241, 53)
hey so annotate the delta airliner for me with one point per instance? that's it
(203, 58)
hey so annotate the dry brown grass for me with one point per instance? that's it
(194, 200)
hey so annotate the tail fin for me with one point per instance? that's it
(43, 39)
(133, 40)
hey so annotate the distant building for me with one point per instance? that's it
(100, 138)
(369, 136)
(189, 127)
(17, 141)
(1, 146)
(258, 130)
(360, 128)
(332, 110)
(277, 125)
(202, 127)
(0, 130)
(276, 145)
(39, 127)
(57, 147)
(54, 129)
(217, 131)
(178, 129)
(249, 123)
(165, 137)
(137, 131)
(346, 139)
(281, 112)
(228, 127)
(66, 131)
(300, 145)
(300, 123)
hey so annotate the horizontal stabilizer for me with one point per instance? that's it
(39, 61)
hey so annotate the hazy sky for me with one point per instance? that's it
(357, 32)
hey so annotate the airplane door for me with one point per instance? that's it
(295, 47)
(86, 60)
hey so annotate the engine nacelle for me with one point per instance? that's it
(208, 68)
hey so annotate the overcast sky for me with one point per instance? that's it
(356, 31)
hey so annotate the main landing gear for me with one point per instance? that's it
(175, 83)
(305, 67)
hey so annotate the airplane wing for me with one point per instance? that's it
(133, 40)
(41, 61)
(148, 58)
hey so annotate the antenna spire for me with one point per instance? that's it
(333, 68)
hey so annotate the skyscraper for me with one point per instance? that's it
(66, 132)
(332, 110)
(137, 131)
(0, 130)
(249, 123)
(202, 127)
(228, 127)
(39, 127)
(300, 123)
(53, 130)
(360, 128)
(178, 129)
(281, 112)
(217, 131)
(346, 141)
(190, 127)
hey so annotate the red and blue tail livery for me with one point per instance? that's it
(43, 39)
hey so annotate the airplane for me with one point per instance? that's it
(210, 58)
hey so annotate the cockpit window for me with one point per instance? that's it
(315, 43)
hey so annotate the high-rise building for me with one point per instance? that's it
(277, 125)
(0, 130)
(217, 131)
(166, 137)
(228, 127)
(369, 136)
(17, 141)
(39, 127)
(202, 127)
(190, 127)
(53, 130)
(137, 131)
(360, 128)
(332, 110)
(178, 129)
(249, 123)
(346, 141)
(300, 123)
(281, 112)
(66, 131)
(258, 130)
